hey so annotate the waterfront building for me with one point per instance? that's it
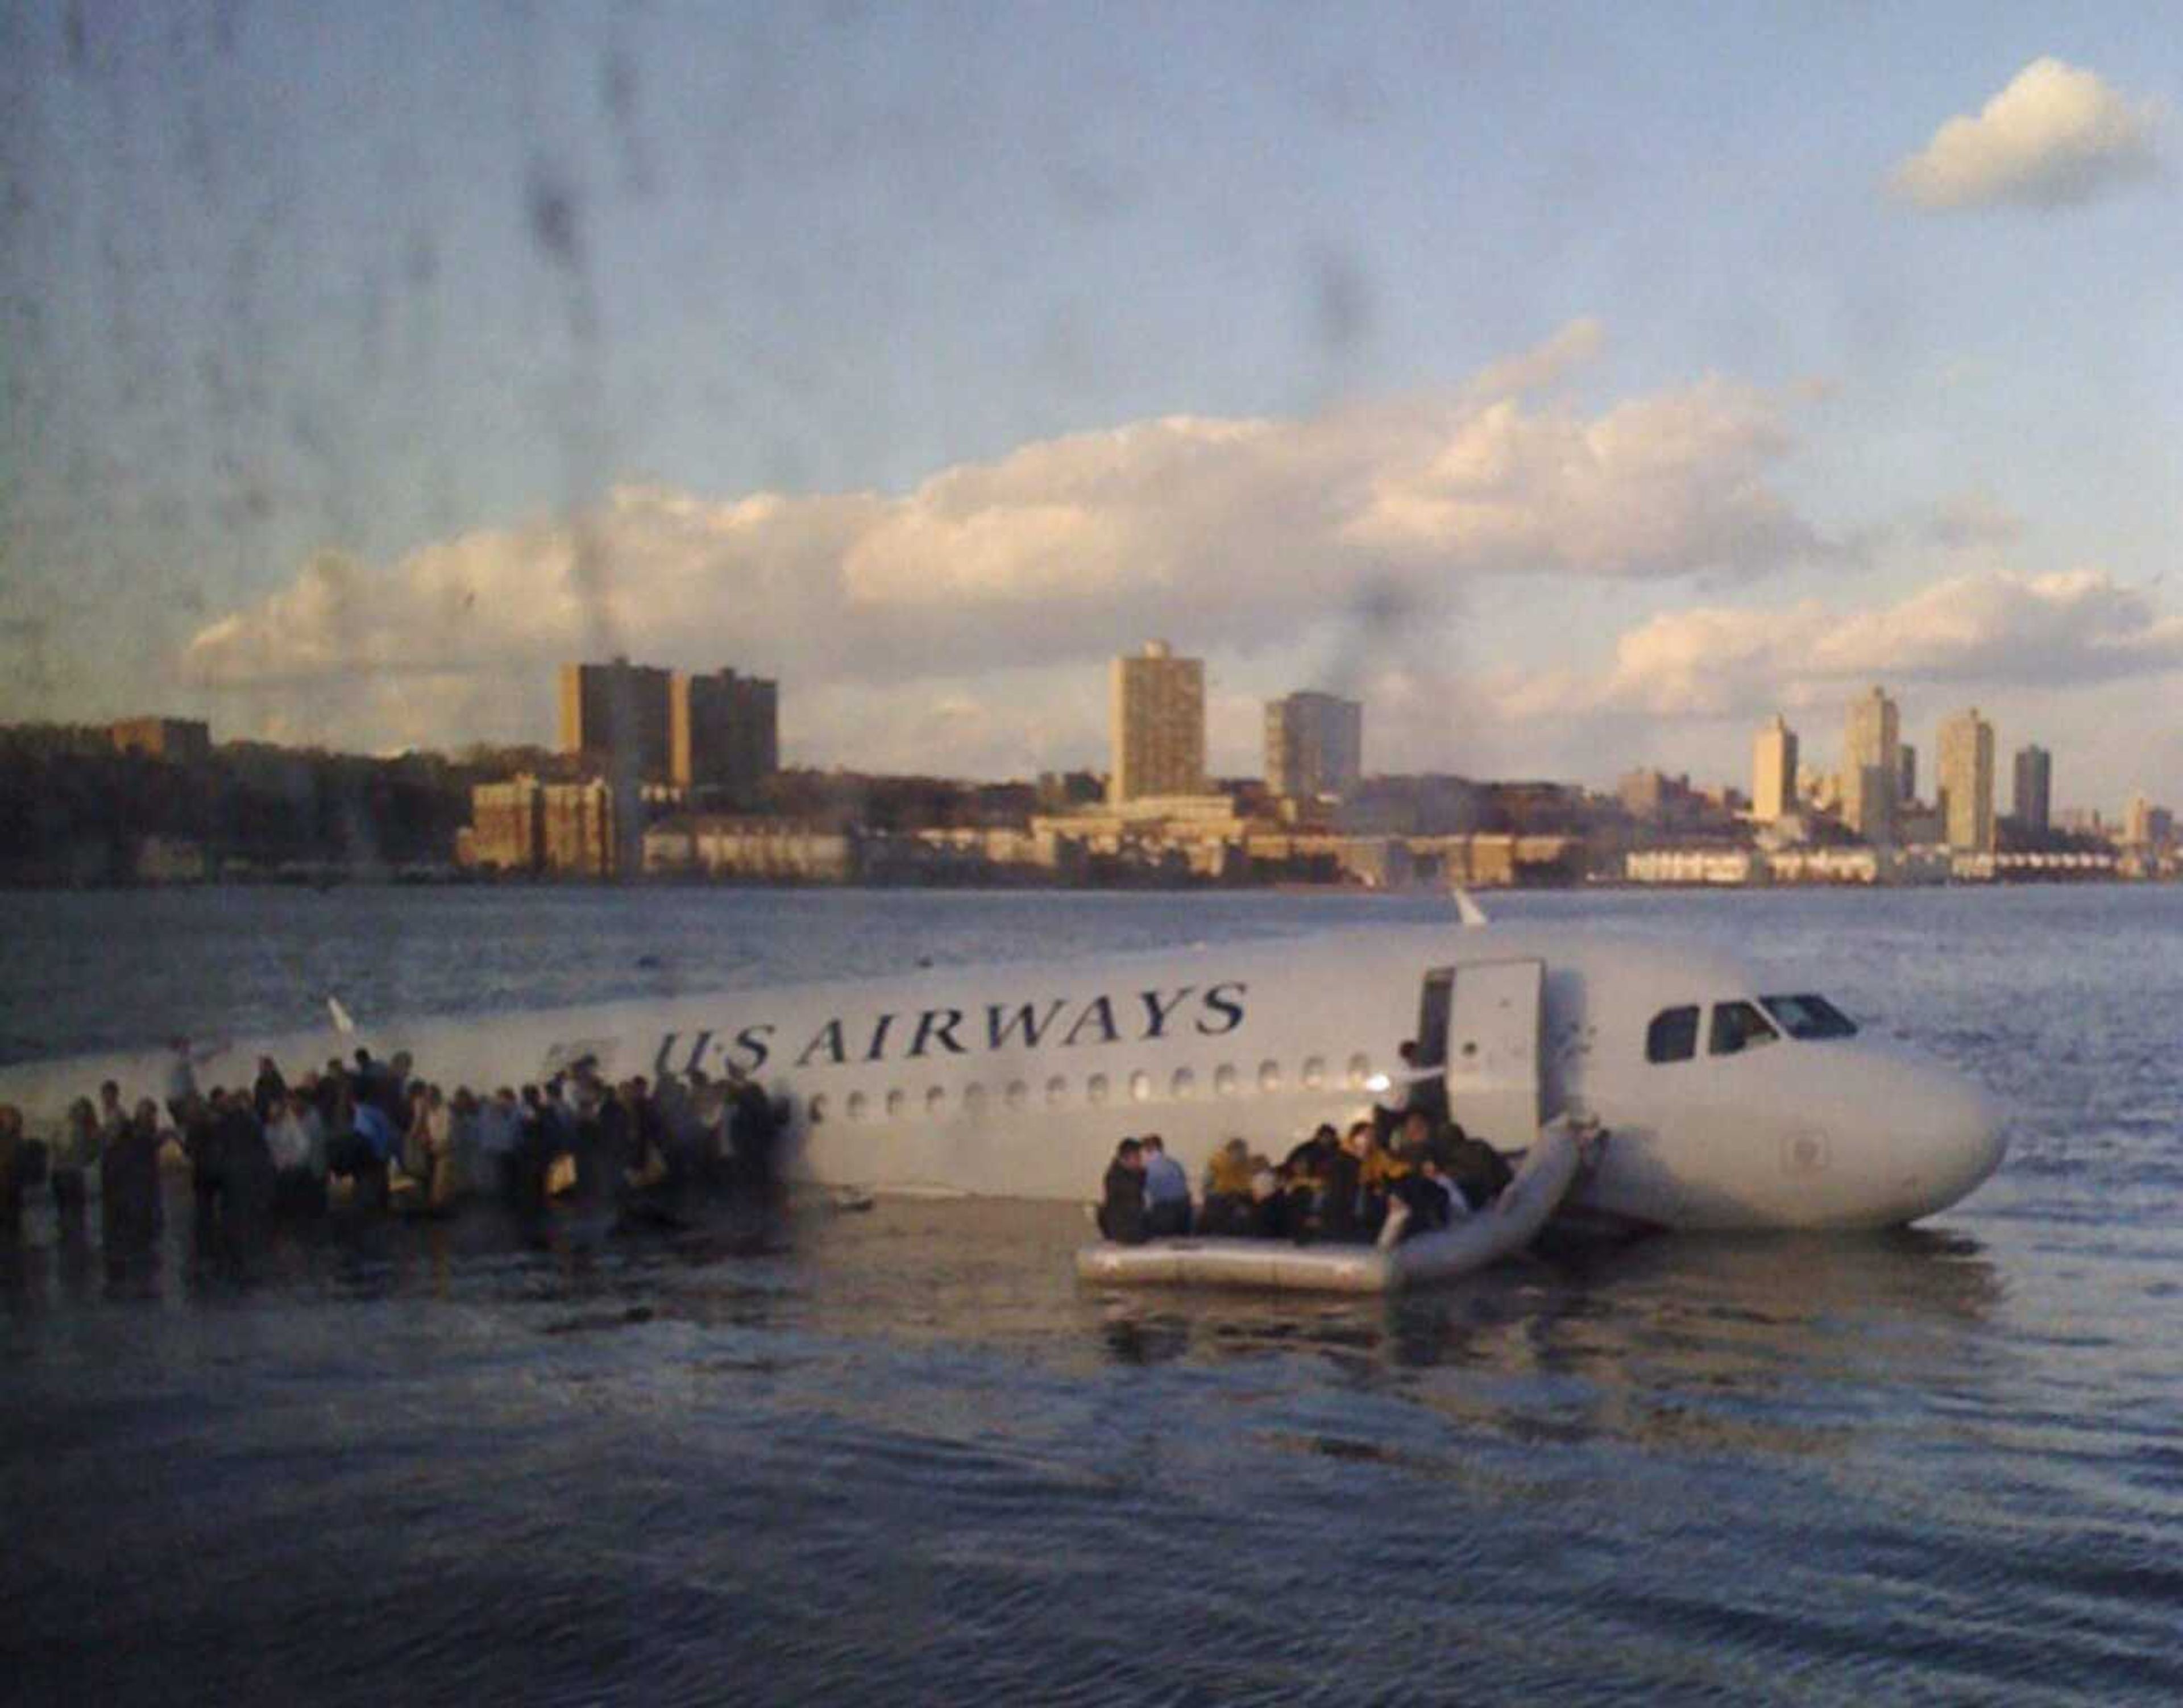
(2032, 800)
(1907, 773)
(1774, 772)
(573, 830)
(1966, 781)
(619, 718)
(182, 741)
(1872, 757)
(716, 845)
(724, 731)
(1157, 724)
(1653, 798)
(507, 827)
(1314, 745)
(2145, 825)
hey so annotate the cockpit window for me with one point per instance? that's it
(1808, 1016)
(1673, 1035)
(1738, 1025)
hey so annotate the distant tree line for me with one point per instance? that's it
(74, 811)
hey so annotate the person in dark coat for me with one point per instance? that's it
(1122, 1202)
(1480, 1173)
(130, 1212)
(269, 1095)
(756, 1131)
(1424, 1089)
(247, 1178)
(14, 1165)
(73, 1164)
(1342, 1199)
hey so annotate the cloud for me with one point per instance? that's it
(2078, 627)
(1230, 535)
(2057, 135)
(1969, 521)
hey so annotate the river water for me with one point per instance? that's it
(901, 1455)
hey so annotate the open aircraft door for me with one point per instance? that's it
(1493, 1050)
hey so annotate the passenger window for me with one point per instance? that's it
(1224, 1081)
(1269, 1076)
(936, 1102)
(897, 1103)
(1018, 1093)
(1315, 1072)
(1095, 1088)
(1673, 1035)
(1737, 1026)
(1360, 1070)
(1057, 1091)
(858, 1107)
(819, 1109)
(973, 1100)
(1141, 1087)
(1185, 1084)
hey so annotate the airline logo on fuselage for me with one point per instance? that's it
(1061, 1022)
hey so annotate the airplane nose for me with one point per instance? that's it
(1964, 1136)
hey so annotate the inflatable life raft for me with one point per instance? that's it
(1504, 1227)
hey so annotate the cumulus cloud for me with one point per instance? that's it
(1230, 535)
(2056, 136)
(2077, 627)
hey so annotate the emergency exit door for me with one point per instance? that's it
(1493, 1050)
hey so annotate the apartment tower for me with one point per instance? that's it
(1314, 745)
(1966, 782)
(618, 717)
(1872, 761)
(1156, 723)
(2031, 801)
(1774, 772)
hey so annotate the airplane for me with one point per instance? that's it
(1731, 1101)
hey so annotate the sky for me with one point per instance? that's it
(1575, 385)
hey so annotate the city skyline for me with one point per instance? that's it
(1565, 430)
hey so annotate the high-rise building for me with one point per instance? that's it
(1905, 772)
(1157, 724)
(1872, 757)
(1314, 745)
(2146, 826)
(1774, 772)
(1966, 783)
(2032, 800)
(724, 731)
(620, 717)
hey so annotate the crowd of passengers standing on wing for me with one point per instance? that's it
(368, 1138)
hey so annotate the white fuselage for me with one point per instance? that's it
(1017, 1079)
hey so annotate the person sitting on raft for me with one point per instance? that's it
(1405, 1193)
(1230, 1209)
(1122, 1216)
(1300, 1211)
(1167, 1191)
(1479, 1171)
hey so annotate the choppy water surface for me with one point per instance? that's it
(901, 1456)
